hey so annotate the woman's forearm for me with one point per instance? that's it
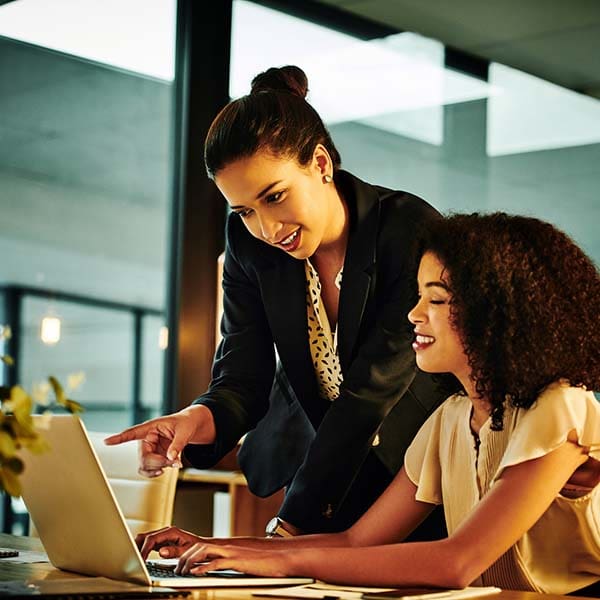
(317, 540)
(409, 564)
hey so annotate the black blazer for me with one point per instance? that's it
(263, 378)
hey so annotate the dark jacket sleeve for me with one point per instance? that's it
(378, 376)
(244, 365)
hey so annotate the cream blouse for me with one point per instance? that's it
(561, 552)
(322, 341)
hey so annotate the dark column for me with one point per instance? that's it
(137, 414)
(12, 317)
(201, 90)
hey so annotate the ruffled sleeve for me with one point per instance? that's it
(422, 459)
(541, 429)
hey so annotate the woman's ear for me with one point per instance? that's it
(322, 162)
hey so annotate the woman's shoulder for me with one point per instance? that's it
(405, 206)
(455, 407)
(559, 406)
(559, 410)
(392, 203)
(561, 394)
(404, 218)
(451, 410)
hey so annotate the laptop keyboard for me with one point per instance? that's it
(162, 573)
(167, 571)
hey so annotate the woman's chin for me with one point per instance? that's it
(427, 367)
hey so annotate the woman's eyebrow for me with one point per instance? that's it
(266, 190)
(258, 196)
(439, 284)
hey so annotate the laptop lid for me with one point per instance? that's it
(79, 520)
(73, 506)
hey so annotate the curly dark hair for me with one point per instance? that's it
(526, 301)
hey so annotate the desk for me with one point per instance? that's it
(248, 514)
(22, 572)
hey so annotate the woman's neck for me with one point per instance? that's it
(335, 238)
(481, 407)
(480, 413)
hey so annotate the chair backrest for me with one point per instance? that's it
(146, 503)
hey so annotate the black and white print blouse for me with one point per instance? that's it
(322, 341)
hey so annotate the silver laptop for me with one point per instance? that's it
(79, 521)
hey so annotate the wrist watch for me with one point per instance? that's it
(277, 527)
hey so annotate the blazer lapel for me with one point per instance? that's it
(359, 264)
(283, 286)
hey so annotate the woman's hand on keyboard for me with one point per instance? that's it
(202, 558)
(169, 542)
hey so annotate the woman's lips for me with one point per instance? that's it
(422, 342)
(291, 242)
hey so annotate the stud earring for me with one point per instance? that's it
(327, 178)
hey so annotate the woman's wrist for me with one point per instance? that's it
(204, 422)
(297, 563)
(292, 528)
(278, 527)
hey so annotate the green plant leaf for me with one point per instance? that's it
(17, 428)
(7, 360)
(15, 464)
(20, 405)
(73, 407)
(22, 432)
(9, 481)
(59, 392)
(8, 446)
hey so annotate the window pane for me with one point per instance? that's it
(515, 143)
(94, 341)
(85, 170)
(153, 350)
(99, 31)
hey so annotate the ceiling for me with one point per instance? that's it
(553, 39)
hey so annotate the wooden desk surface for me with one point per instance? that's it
(30, 572)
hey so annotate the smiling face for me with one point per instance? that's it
(437, 344)
(282, 203)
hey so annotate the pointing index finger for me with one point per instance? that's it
(137, 432)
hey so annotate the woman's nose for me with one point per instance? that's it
(415, 315)
(269, 229)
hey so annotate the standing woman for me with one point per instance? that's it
(316, 359)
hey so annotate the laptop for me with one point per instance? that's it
(80, 523)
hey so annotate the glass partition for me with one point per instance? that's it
(85, 170)
(400, 118)
(85, 122)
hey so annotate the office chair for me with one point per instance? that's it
(146, 503)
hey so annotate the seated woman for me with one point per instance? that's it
(509, 307)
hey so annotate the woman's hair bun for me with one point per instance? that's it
(289, 79)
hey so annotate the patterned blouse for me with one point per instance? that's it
(323, 341)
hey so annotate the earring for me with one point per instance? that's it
(327, 178)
